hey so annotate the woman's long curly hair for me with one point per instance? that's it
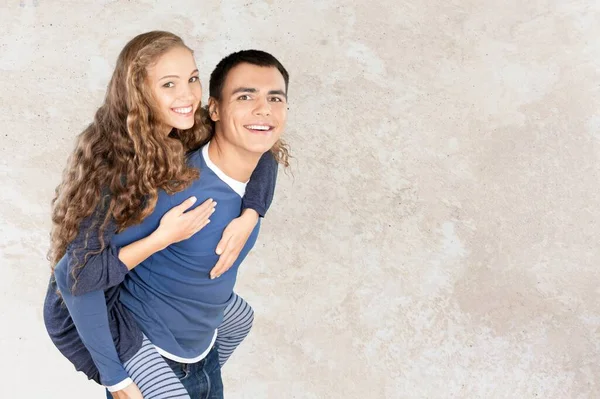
(124, 152)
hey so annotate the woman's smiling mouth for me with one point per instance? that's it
(183, 111)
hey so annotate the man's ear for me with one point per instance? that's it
(213, 110)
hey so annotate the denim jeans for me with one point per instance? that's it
(202, 380)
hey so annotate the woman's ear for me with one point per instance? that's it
(213, 109)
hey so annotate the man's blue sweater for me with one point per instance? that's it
(171, 295)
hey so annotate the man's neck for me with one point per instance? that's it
(233, 161)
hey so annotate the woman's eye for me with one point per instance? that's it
(194, 79)
(169, 84)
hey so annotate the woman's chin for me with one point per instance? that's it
(183, 126)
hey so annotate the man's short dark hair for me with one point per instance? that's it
(253, 57)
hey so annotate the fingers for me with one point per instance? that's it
(185, 205)
(205, 206)
(230, 252)
(225, 262)
(224, 241)
(224, 250)
(217, 270)
(186, 224)
(201, 217)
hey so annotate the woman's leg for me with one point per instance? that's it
(153, 376)
(237, 322)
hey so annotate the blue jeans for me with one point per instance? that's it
(202, 380)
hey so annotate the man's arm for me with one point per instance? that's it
(256, 202)
(261, 187)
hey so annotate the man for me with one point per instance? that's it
(248, 106)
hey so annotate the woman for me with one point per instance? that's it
(133, 149)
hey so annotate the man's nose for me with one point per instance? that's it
(263, 107)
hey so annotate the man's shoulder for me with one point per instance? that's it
(195, 158)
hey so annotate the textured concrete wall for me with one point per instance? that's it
(439, 236)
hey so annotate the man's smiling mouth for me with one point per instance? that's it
(260, 127)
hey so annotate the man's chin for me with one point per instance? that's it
(260, 147)
(258, 150)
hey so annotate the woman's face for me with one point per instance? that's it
(176, 87)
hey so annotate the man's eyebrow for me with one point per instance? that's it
(177, 76)
(278, 92)
(253, 90)
(244, 90)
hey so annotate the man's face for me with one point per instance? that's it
(252, 111)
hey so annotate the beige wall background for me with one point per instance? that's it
(439, 235)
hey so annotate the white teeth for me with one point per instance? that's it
(185, 110)
(258, 127)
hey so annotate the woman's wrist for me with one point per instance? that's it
(158, 241)
(250, 213)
